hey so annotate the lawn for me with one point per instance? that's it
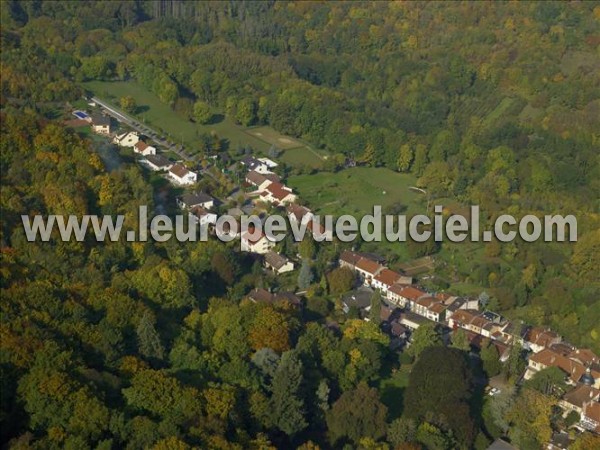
(355, 191)
(301, 156)
(391, 391)
(272, 137)
(158, 115)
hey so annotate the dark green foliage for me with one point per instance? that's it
(440, 387)
(357, 414)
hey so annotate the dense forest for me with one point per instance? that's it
(148, 345)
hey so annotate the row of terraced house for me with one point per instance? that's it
(580, 366)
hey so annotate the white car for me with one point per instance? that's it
(494, 391)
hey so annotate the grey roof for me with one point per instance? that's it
(456, 304)
(98, 119)
(499, 444)
(196, 198)
(360, 298)
(275, 260)
(262, 295)
(158, 160)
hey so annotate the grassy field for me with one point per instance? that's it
(356, 190)
(392, 391)
(155, 113)
(301, 156)
(270, 136)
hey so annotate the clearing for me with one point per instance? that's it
(356, 190)
(161, 117)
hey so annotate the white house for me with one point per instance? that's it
(261, 181)
(269, 162)
(404, 296)
(157, 162)
(253, 164)
(385, 279)
(144, 149)
(256, 244)
(196, 200)
(128, 139)
(101, 124)
(367, 270)
(181, 175)
(278, 263)
(202, 216)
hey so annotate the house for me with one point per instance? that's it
(256, 244)
(278, 194)
(202, 216)
(251, 163)
(385, 279)
(500, 444)
(398, 330)
(269, 162)
(101, 124)
(437, 312)
(367, 270)
(261, 181)
(260, 295)
(349, 259)
(196, 199)
(158, 162)
(142, 148)
(296, 213)
(462, 319)
(575, 371)
(540, 338)
(412, 321)
(576, 398)
(278, 263)
(404, 296)
(128, 139)
(359, 299)
(181, 175)
(590, 417)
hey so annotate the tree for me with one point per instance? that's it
(340, 280)
(269, 329)
(548, 381)
(427, 335)
(246, 111)
(586, 441)
(357, 414)
(420, 161)
(202, 113)
(439, 387)
(128, 103)
(516, 363)
(375, 310)
(402, 430)
(287, 403)
(530, 418)
(148, 339)
(405, 158)
(307, 248)
(490, 358)
(368, 156)
(460, 340)
(305, 277)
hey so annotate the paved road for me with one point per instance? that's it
(142, 128)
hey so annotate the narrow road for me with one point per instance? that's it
(142, 128)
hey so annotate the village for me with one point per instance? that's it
(405, 304)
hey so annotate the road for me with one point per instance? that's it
(142, 129)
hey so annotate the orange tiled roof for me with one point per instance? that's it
(368, 266)
(411, 293)
(387, 277)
